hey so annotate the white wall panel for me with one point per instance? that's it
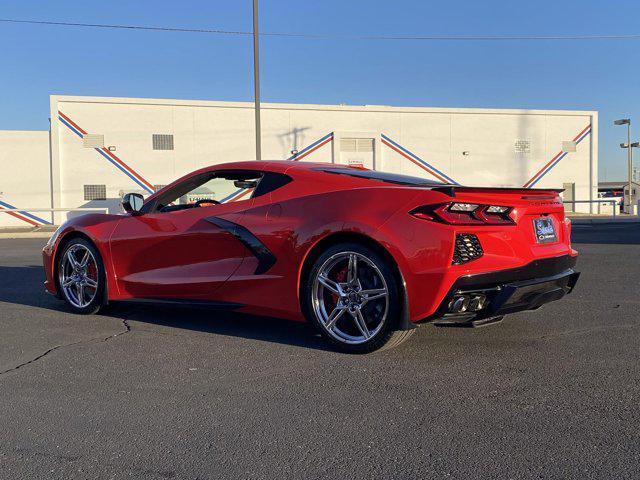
(24, 174)
(472, 146)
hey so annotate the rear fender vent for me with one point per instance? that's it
(467, 248)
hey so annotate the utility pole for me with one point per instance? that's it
(629, 166)
(256, 78)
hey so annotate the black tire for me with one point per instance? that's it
(388, 335)
(98, 299)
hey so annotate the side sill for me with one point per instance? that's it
(213, 304)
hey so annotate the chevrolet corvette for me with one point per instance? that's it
(364, 256)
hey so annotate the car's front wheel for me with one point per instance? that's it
(81, 276)
(352, 297)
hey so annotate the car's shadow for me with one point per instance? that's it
(24, 286)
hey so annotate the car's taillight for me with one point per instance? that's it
(458, 213)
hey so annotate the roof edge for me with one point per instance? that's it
(302, 106)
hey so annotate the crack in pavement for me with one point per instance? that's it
(127, 329)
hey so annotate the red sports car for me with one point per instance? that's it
(365, 256)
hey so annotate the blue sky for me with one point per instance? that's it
(594, 75)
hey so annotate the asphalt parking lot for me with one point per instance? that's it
(149, 392)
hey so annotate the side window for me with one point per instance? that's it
(271, 181)
(205, 190)
(216, 189)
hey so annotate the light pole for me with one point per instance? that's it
(629, 146)
(256, 78)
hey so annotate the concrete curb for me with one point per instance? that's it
(14, 235)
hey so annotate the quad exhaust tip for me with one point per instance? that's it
(463, 302)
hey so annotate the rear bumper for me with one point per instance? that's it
(507, 291)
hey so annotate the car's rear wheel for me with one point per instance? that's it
(352, 297)
(81, 276)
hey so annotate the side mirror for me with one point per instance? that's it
(132, 202)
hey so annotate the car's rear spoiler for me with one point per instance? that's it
(451, 190)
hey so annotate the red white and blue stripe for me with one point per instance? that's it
(396, 147)
(237, 195)
(311, 148)
(308, 150)
(556, 159)
(23, 215)
(108, 155)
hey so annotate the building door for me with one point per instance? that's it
(568, 196)
(357, 152)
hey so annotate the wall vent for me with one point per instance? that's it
(356, 145)
(95, 192)
(93, 140)
(522, 146)
(162, 141)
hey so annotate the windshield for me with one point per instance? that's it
(395, 178)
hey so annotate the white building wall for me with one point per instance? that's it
(471, 146)
(24, 176)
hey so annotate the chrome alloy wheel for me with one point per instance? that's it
(350, 297)
(78, 276)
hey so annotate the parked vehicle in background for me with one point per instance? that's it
(617, 196)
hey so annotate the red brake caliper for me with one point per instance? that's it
(341, 277)
(92, 272)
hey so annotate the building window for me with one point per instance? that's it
(95, 192)
(92, 140)
(162, 141)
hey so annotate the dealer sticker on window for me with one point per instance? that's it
(544, 230)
